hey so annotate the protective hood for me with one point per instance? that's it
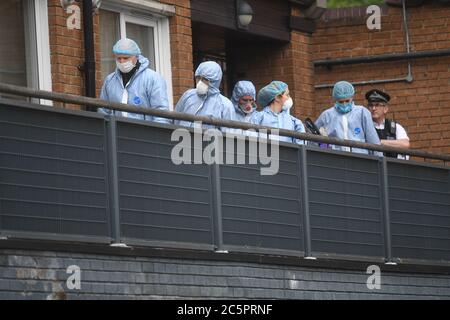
(211, 71)
(242, 88)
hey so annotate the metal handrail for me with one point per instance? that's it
(97, 103)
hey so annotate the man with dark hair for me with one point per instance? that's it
(391, 133)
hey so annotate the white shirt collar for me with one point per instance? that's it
(379, 126)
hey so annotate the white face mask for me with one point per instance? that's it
(126, 66)
(202, 88)
(287, 104)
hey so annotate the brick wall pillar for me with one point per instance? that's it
(67, 52)
(287, 62)
(302, 85)
(181, 48)
(292, 63)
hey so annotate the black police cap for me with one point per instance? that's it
(377, 95)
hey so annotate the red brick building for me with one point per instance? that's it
(279, 43)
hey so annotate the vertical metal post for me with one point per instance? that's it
(384, 196)
(113, 177)
(305, 199)
(216, 207)
(1, 236)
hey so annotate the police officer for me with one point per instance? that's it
(391, 133)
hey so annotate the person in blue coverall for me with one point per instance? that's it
(348, 121)
(134, 83)
(276, 101)
(206, 99)
(243, 99)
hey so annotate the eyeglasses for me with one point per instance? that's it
(376, 105)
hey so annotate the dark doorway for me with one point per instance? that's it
(241, 55)
(209, 44)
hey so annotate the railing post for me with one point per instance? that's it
(216, 207)
(384, 196)
(113, 177)
(1, 236)
(302, 157)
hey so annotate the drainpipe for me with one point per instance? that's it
(382, 58)
(89, 59)
(409, 77)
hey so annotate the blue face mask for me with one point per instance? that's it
(344, 107)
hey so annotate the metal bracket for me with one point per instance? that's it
(119, 245)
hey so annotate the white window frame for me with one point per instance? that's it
(43, 45)
(160, 25)
(38, 45)
(124, 18)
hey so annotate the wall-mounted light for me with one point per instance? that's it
(316, 10)
(66, 3)
(311, 9)
(244, 14)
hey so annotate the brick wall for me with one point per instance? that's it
(181, 48)
(263, 63)
(302, 72)
(289, 63)
(66, 52)
(28, 274)
(423, 106)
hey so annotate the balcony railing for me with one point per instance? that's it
(83, 176)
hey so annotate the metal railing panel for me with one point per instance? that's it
(263, 211)
(55, 183)
(160, 201)
(344, 203)
(52, 169)
(419, 198)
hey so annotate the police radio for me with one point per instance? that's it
(311, 127)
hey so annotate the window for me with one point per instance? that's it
(24, 44)
(150, 32)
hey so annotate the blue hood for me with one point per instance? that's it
(242, 88)
(213, 72)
